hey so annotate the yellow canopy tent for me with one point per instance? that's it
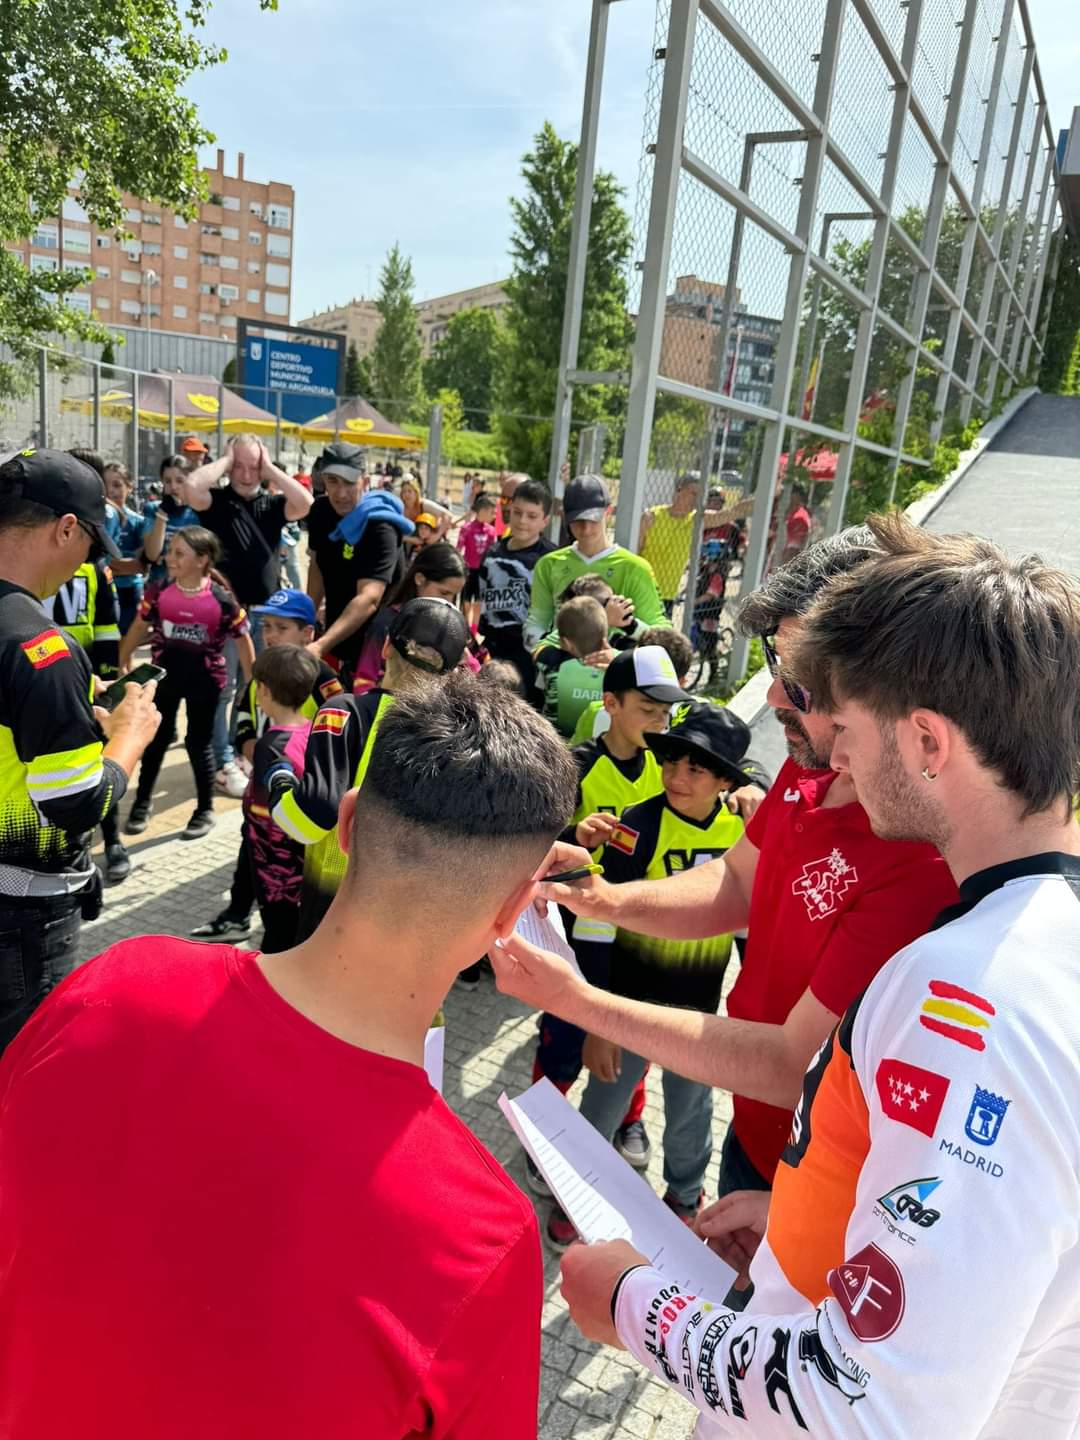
(361, 423)
(195, 406)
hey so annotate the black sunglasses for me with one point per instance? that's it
(97, 550)
(799, 697)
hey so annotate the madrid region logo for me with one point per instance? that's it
(986, 1117)
(823, 883)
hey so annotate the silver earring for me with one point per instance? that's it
(926, 774)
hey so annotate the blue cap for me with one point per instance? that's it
(291, 604)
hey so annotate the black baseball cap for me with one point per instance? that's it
(63, 484)
(341, 459)
(710, 733)
(434, 624)
(586, 498)
(647, 668)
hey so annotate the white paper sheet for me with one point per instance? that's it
(434, 1051)
(604, 1197)
(546, 932)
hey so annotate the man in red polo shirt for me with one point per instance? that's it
(231, 1203)
(825, 904)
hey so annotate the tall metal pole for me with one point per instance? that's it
(579, 243)
(677, 58)
(220, 419)
(172, 416)
(434, 450)
(875, 269)
(96, 419)
(134, 437)
(43, 400)
(787, 342)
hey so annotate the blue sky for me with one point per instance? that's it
(408, 121)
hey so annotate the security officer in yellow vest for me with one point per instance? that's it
(63, 763)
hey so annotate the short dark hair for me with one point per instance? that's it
(434, 562)
(204, 542)
(458, 763)
(93, 459)
(953, 624)
(484, 502)
(535, 492)
(791, 590)
(674, 642)
(289, 672)
(588, 584)
(18, 513)
(582, 621)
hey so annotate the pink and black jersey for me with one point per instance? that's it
(192, 625)
(278, 859)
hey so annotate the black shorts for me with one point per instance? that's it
(472, 586)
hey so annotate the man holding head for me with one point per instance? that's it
(283, 1230)
(920, 1273)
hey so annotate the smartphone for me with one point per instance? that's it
(141, 675)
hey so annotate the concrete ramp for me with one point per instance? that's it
(1024, 490)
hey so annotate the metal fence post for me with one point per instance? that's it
(864, 339)
(434, 450)
(277, 430)
(134, 437)
(220, 419)
(43, 399)
(788, 339)
(171, 436)
(579, 244)
(96, 402)
(650, 324)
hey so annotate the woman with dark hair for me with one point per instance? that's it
(438, 571)
(187, 622)
(171, 513)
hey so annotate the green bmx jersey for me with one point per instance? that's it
(654, 840)
(627, 574)
(567, 686)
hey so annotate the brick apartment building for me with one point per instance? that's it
(196, 277)
(359, 320)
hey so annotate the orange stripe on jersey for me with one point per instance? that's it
(814, 1189)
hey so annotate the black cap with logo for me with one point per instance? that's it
(710, 734)
(429, 624)
(62, 484)
(586, 498)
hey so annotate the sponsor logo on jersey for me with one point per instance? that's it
(870, 1290)
(906, 1205)
(330, 688)
(740, 1358)
(624, 839)
(957, 1014)
(986, 1117)
(333, 721)
(827, 1357)
(708, 1372)
(46, 649)
(791, 795)
(972, 1158)
(911, 1095)
(824, 883)
(776, 1376)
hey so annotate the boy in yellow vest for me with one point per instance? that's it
(666, 535)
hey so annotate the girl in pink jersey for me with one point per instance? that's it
(187, 622)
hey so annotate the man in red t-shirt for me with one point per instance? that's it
(825, 904)
(231, 1203)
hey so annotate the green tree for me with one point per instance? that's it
(228, 375)
(465, 360)
(1060, 373)
(395, 356)
(353, 374)
(539, 249)
(93, 94)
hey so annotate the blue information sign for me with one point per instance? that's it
(306, 375)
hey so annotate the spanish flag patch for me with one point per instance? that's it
(330, 687)
(332, 720)
(45, 649)
(624, 839)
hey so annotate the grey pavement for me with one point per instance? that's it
(1024, 490)
(585, 1389)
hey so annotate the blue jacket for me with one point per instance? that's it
(379, 505)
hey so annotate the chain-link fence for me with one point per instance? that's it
(841, 227)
